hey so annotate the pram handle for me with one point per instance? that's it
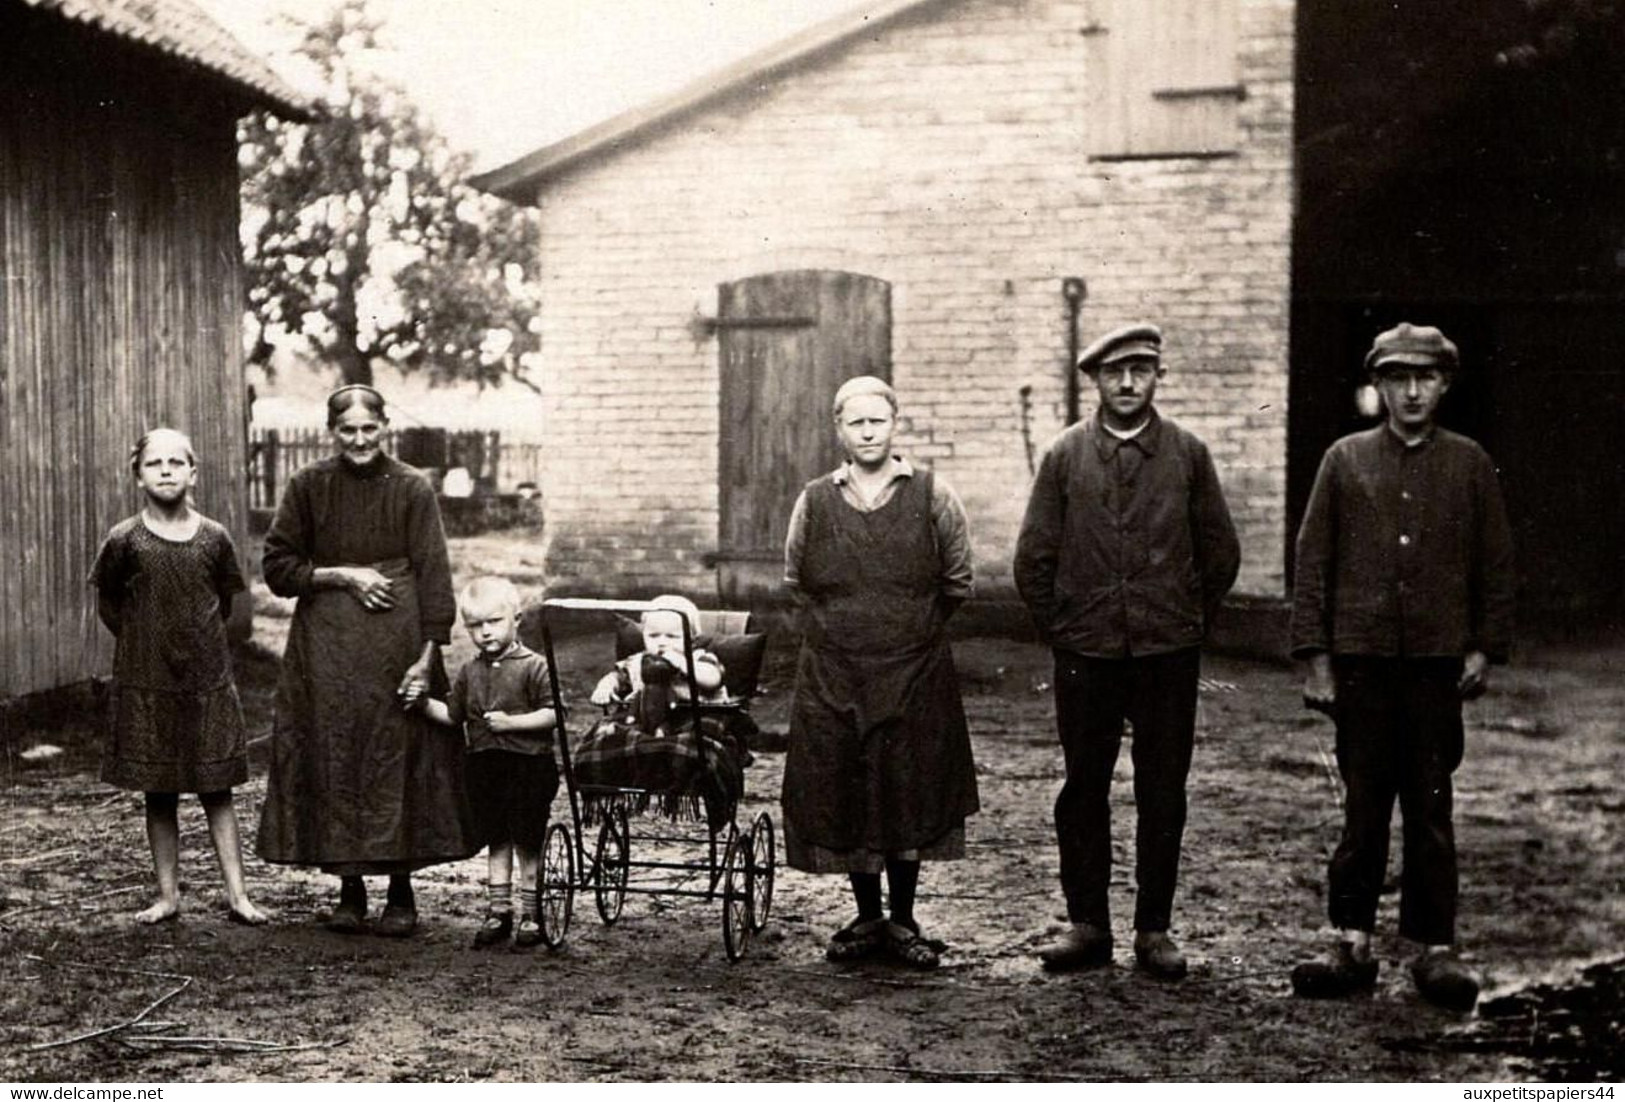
(601, 604)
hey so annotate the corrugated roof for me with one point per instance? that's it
(518, 179)
(182, 30)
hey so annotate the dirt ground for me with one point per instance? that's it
(653, 997)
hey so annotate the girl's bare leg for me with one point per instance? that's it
(164, 838)
(228, 848)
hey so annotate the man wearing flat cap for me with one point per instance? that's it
(1125, 551)
(1403, 597)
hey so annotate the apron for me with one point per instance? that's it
(356, 784)
(879, 756)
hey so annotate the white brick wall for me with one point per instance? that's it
(944, 156)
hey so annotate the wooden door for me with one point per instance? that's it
(787, 341)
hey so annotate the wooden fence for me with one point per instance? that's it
(495, 465)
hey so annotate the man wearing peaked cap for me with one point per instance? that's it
(1403, 597)
(1125, 551)
(1419, 345)
(1139, 340)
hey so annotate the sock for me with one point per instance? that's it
(400, 890)
(902, 879)
(353, 892)
(499, 898)
(866, 890)
(527, 902)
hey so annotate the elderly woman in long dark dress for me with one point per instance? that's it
(358, 785)
(879, 775)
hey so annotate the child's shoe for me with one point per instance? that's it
(495, 929)
(529, 933)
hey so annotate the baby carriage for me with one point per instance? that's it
(674, 776)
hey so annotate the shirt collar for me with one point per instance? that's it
(900, 468)
(1405, 445)
(517, 650)
(1147, 439)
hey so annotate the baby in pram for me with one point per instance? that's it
(645, 686)
(649, 739)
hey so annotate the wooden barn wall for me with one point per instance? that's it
(119, 311)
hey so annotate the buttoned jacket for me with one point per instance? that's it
(1127, 546)
(1404, 551)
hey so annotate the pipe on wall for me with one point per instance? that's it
(1074, 290)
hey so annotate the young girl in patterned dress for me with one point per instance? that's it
(164, 581)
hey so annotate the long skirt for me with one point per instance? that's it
(358, 785)
(879, 757)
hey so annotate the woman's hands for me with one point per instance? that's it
(372, 590)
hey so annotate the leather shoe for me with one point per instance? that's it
(397, 921)
(1335, 976)
(1443, 980)
(495, 929)
(1156, 953)
(528, 934)
(860, 938)
(1083, 946)
(349, 917)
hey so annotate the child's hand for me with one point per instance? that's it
(499, 721)
(612, 687)
(412, 695)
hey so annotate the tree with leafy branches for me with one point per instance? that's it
(362, 241)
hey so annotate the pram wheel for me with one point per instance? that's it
(761, 860)
(556, 885)
(736, 893)
(610, 861)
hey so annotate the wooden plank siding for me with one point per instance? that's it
(120, 306)
(1164, 78)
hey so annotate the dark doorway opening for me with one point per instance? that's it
(1462, 165)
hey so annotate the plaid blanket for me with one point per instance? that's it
(679, 771)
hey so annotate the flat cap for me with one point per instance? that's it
(1419, 345)
(1139, 339)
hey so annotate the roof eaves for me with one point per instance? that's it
(519, 179)
(180, 30)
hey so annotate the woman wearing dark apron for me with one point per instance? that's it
(879, 775)
(358, 786)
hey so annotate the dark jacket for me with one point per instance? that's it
(1127, 546)
(1404, 551)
